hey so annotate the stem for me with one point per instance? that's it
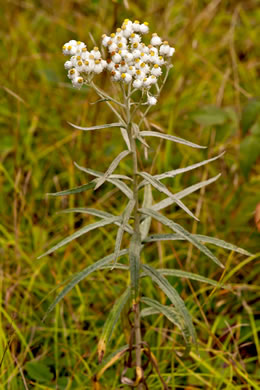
(136, 307)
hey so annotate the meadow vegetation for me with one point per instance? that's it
(211, 98)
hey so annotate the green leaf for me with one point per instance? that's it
(38, 371)
(122, 227)
(149, 311)
(95, 173)
(134, 262)
(182, 232)
(147, 203)
(79, 276)
(111, 168)
(125, 137)
(184, 317)
(75, 190)
(79, 233)
(170, 138)
(187, 191)
(111, 322)
(199, 237)
(167, 311)
(162, 188)
(188, 275)
(106, 126)
(209, 116)
(175, 172)
(249, 115)
(118, 183)
(97, 213)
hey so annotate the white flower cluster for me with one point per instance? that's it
(82, 63)
(130, 60)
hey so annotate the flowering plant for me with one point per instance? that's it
(140, 71)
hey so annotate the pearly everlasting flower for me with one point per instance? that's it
(68, 65)
(138, 83)
(165, 49)
(156, 40)
(144, 29)
(73, 73)
(128, 59)
(156, 70)
(151, 100)
(126, 77)
(77, 82)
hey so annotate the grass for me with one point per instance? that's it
(216, 64)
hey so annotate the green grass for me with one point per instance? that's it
(217, 64)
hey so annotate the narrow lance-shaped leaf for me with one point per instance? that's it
(134, 262)
(125, 218)
(125, 137)
(188, 275)
(170, 138)
(105, 126)
(95, 173)
(201, 238)
(182, 232)
(184, 316)
(79, 233)
(147, 203)
(111, 168)
(176, 172)
(187, 191)
(161, 187)
(167, 311)
(110, 323)
(96, 213)
(118, 183)
(74, 190)
(79, 276)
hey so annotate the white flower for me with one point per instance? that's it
(79, 66)
(112, 46)
(110, 65)
(116, 57)
(116, 75)
(98, 67)
(84, 54)
(80, 45)
(165, 49)
(144, 29)
(138, 83)
(155, 41)
(68, 65)
(105, 40)
(147, 82)
(73, 73)
(136, 26)
(77, 82)
(135, 38)
(131, 70)
(126, 77)
(89, 66)
(144, 57)
(171, 52)
(128, 57)
(139, 74)
(124, 67)
(156, 70)
(153, 79)
(136, 53)
(96, 53)
(151, 100)
(158, 60)
(72, 42)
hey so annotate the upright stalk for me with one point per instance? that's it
(136, 306)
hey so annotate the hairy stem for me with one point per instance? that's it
(136, 308)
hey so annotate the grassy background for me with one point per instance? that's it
(208, 100)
